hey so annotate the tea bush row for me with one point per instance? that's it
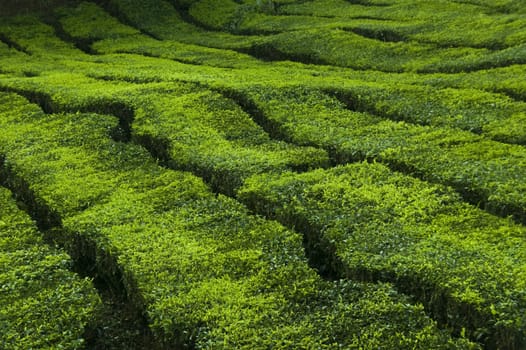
(475, 180)
(343, 48)
(206, 273)
(501, 80)
(442, 23)
(412, 30)
(479, 114)
(36, 38)
(482, 170)
(332, 46)
(211, 136)
(162, 21)
(187, 126)
(464, 264)
(493, 115)
(42, 303)
(87, 22)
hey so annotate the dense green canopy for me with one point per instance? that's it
(253, 174)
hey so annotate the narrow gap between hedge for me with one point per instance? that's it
(120, 320)
(13, 44)
(113, 10)
(82, 45)
(321, 254)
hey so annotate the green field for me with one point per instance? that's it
(263, 174)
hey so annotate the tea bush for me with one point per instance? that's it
(43, 304)
(206, 273)
(131, 94)
(482, 170)
(37, 38)
(188, 127)
(162, 21)
(390, 227)
(89, 24)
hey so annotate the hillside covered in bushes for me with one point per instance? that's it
(263, 174)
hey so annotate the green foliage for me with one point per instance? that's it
(14, 7)
(346, 49)
(468, 109)
(387, 226)
(161, 20)
(213, 13)
(205, 271)
(442, 23)
(87, 21)
(210, 135)
(90, 24)
(36, 38)
(43, 304)
(480, 169)
(186, 84)
(197, 129)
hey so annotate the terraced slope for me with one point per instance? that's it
(262, 174)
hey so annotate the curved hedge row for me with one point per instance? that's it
(208, 134)
(464, 264)
(206, 273)
(89, 24)
(491, 25)
(37, 39)
(42, 303)
(447, 36)
(203, 270)
(161, 20)
(186, 126)
(492, 115)
(482, 170)
(223, 144)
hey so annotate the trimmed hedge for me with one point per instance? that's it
(498, 32)
(467, 109)
(460, 159)
(87, 21)
(42, 303)
(89, 24)
(186, 126)
(217, 15)
(441, 23)
(466, 266)
(161, 20)
(500, 80)
(482, 170)
(208, 134)
(342, 48)
(7, 51)
(206, 273)
(36, 37)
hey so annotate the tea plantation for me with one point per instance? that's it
(263, 174)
